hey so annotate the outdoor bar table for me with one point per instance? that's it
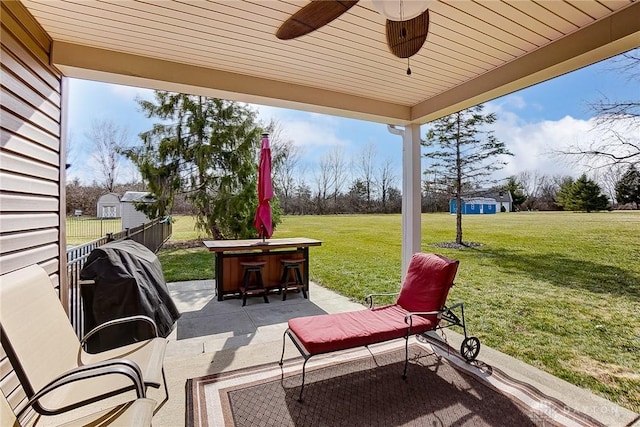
(230, 253)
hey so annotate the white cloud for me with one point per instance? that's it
(515, 101)
(309, 131)
(534, 145)
(312, 134)
(537, 146)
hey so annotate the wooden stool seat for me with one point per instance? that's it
(252, 289)
(253, 263)
(292, 277)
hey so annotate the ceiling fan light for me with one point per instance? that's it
(391, 9)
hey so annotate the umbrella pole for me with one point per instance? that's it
(262, 231)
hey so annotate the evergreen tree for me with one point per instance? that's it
(516, 190)
(207, 148)
(564, 197)
(464, 153)
(582, 195)
(628, 188)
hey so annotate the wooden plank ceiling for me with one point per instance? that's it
(228, 47)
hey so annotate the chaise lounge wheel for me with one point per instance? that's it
(470, 348)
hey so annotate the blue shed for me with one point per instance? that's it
(478, 205)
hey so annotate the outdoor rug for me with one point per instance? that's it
(364, 387)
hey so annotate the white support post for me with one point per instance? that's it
(411, 192)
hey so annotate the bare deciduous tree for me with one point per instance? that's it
(617, 122)
(366, 171)
(338, 173)
(386, 180)
(613, 147)
(108, 140)
(322, 178)
(608, 178)
(302, 201)
(527, 181)
(285, 158)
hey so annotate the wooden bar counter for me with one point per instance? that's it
(230, 253)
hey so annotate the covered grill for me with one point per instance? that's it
(126, 279)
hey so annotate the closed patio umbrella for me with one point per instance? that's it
(262, 220)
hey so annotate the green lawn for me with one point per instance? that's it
(558, 290)
(85, 229)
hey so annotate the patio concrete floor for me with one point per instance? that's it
(216, 336)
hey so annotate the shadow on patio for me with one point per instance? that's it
(203, 315)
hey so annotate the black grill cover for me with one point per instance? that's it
(128, 281)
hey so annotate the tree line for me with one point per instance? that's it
(529, 191)
(335, 184)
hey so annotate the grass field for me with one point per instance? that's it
(557, 290)
(84, 229)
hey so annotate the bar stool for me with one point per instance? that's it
(291, 270)
(252, 289)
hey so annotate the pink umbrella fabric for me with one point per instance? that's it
(262, 220)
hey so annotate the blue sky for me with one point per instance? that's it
(532, 123)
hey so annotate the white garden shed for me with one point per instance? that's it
(108, 206)
(130, 216)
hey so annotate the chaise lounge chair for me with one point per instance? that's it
(55, 371)
(420, 307)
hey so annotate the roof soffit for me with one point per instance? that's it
(475, 51)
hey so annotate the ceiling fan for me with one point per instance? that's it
(406, 27)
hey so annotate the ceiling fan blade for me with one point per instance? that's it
(405, 38)
(313, 16)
